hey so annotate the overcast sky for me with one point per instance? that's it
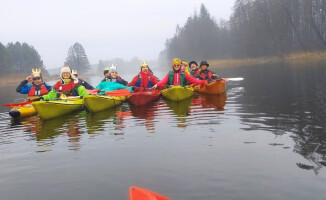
(106, 29)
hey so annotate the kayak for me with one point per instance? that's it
(178, 93)
(96, 103)
(216, 87)
(136, 193)
(143, 97)
(26, 110)
(56, 108)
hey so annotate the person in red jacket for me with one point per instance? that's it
(205, 74)
(177, 76)
(194, 68)
(145, 78)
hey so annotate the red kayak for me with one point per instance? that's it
(143, 97)
(136, 193)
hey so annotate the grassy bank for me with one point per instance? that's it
(16, 79)
(313, 57)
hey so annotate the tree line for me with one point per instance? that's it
(256, 28)
(16, 58)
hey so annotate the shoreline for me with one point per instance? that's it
(293, 58)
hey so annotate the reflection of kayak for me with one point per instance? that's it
(180, 108)
(178, 93)
(55, 108)
(216, 87)
(22, 111)
(216, 101)
(96, 103)
(144, 97)
(136, 193)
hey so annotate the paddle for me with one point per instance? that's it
(17, 104)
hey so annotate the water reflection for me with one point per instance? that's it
(145, 113)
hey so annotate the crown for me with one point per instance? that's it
(144, 64)
(106, 69)
(176, 61)
(37, 72)
(74, 72)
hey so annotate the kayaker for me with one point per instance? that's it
(178, 76)
(37, 88)
(82, 81)
(194, 68)
(205, 74)
(184, 65)
(68, 85)
(111, 75)
(144, 79)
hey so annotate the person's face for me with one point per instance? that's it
(114, 74)
(37, 81)
(176, 67)
(107, 75)
(193, 66)
(144, 69)
(65, 75)
(203, 67)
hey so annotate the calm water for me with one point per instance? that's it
(264, 139)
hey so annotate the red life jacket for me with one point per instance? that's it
(38, 91)
(66, 88)
(205, 75)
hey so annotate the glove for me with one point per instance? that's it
(203, 84)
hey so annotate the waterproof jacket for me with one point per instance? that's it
(33, 90)
(111, 86)
(69, 89)
(85, 84)
(118, 80)
(207, 75)
(137, 80)
(178, 78)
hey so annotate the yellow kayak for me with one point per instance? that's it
(56, 108)
(96, 103)
(178, 93)
(22, 111)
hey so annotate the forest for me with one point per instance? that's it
(256, 28)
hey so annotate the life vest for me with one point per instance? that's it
(205, 75)
(38, 90)
(67, 89)
(149, 85)
(182, 77)
(195, 72)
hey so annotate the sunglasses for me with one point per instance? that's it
(36, 78)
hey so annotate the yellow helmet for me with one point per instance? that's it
(144, 64)
(37, 72)
(184, 63)
(176, 61)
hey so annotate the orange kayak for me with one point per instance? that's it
(216, 87)
(144, 97)
(136, 193)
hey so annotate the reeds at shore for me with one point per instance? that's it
(290, 58)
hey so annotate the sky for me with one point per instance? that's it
(106, 29)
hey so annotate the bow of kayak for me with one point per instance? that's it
(96, 103)
(216, 87)
(22, 111)
(144, 97)
(178, 93)
(56, 108)
(136, 193)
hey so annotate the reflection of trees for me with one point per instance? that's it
(145, 112)
(290, 99)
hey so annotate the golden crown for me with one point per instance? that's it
(106, 69)
(176, 61)
(37, 72)
(144, 64)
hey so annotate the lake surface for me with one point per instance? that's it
(264, 139)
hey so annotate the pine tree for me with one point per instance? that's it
(77, 59)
